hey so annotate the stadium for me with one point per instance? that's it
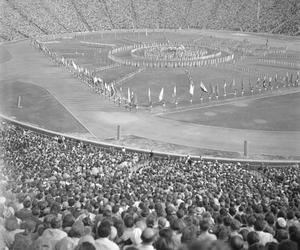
(149, 124)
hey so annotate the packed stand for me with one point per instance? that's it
(37, 15)
(11, 18)
(56, 16)
(58, 193)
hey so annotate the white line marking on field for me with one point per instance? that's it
(51, 42)
(75, 117)
(104, 44)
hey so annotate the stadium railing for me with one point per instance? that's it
(155, 153)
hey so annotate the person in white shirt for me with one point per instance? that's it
(264, 237)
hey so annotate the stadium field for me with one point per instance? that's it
(4, 55)
(91, 51)
(267, 120)
(275, 113)
(38, 107)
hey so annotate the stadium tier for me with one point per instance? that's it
(65, 194)
(52, 16)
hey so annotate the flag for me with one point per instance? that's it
(161, 95)
(191, 88)
(113, 90)
(212, 90)
(128, 95)
(174, 92)
(149, 95)
(203, 88)
(132, 97)
(258, 82)
(135, 99)
(233, 84)
(95, 80)
(74, 65)
(287, 79)
(264, 82)
(217, 90)
(291, 78)
(270, 81)
(109, 89)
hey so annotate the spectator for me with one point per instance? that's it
(204, 233)
(264, 237)
(103, 242)
(24, 240)
(148, 238)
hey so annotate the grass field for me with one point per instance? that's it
(277, 113)
(91, 52)
(4, 55)
(38, 108)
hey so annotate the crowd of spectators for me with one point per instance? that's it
(32, 18)
(59, 193)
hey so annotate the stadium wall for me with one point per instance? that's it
(158, 154)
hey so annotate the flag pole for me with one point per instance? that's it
(19, 102)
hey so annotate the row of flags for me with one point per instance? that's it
(108, 88)
(265, 82)
(174, 93)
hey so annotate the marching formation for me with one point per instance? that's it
(162, 60)
(206, 91)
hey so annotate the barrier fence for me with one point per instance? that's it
(156, 154)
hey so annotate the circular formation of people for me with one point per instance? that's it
(59, 193)
(174, 53)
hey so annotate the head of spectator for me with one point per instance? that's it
(259, 225)
(256, 246)
(148, 236)
(280, 223)
(252, 238)
(188, 234)
(236, 243)
(287, 245)
(271, 246)
(104, 230)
